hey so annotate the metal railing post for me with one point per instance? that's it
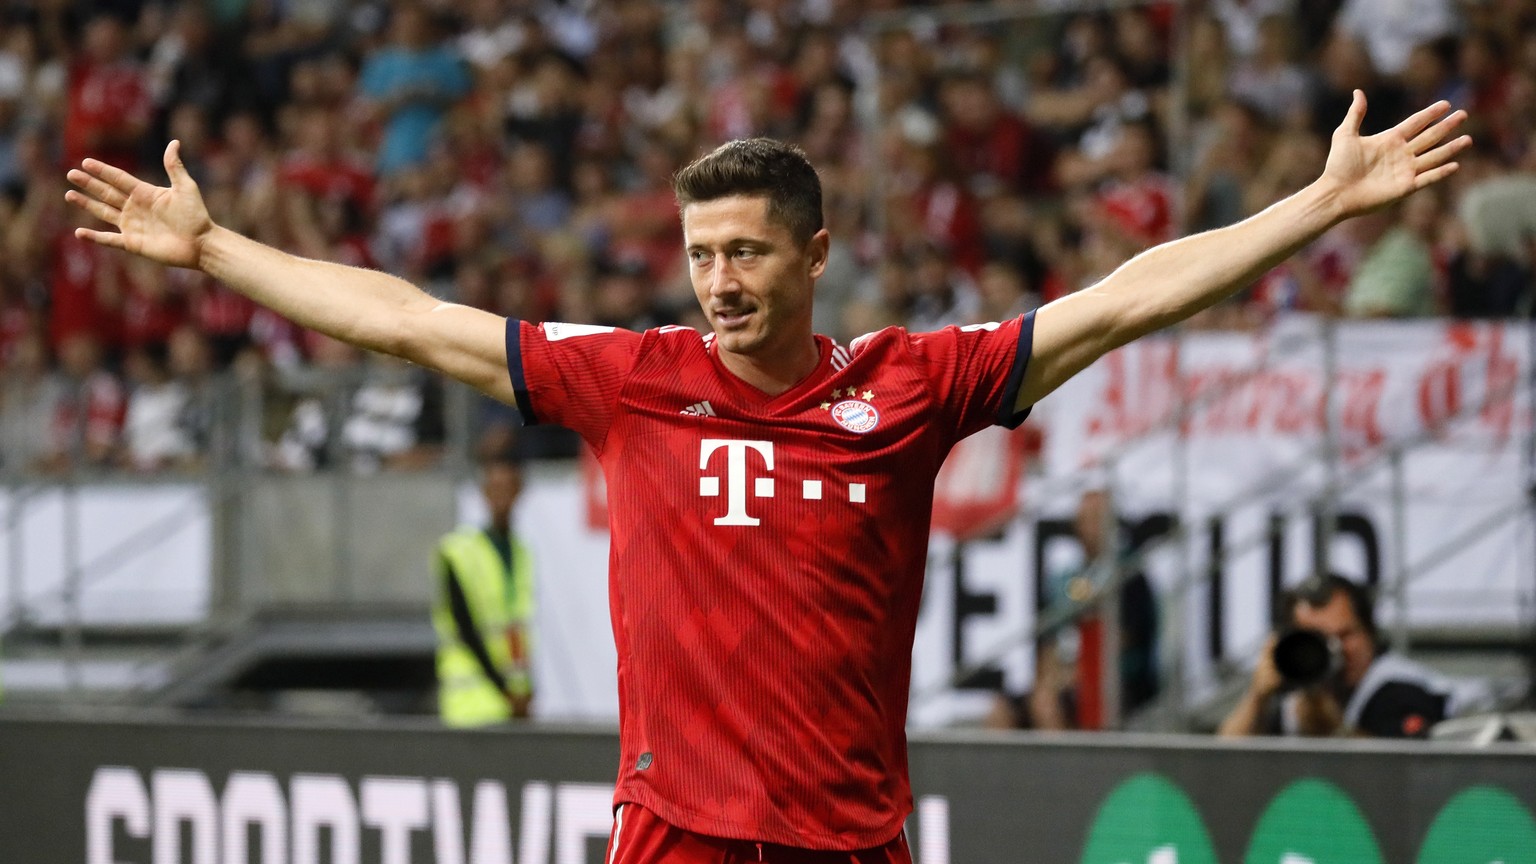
(1110, 568)
(15, 581)
(72, 634)
(1400, 630)
(1327, 507)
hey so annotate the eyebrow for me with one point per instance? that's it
(734, 241)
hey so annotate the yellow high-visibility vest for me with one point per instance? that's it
(497, 601)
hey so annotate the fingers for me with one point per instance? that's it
(1356, 115)
(1436, 165)
(1435, 175)
(100, 210)
(97, 188)
(1420, 120)
(113, 176)
(174, 167)
(105, 238)
(1429, 138)
(1440, 155)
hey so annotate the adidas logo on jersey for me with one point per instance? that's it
(699, 409)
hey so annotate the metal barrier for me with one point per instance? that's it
(255, 526)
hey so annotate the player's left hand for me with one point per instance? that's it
(1370, 172)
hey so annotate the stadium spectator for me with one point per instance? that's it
(1226, 166)
(1397, 278)
(85, 291)
(408, 85)
(1369, 691)
(1272, 81)
(109, 107)
(1242, 22)
(1004, 293)
(939, 293)
(993, 150)
(1491, 255)
(154, 438)
(396, 419)
(1390, 29)
(85, 409)
(28, 394)
(194, 66)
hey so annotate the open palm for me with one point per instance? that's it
(166, 225)
(1370, 172)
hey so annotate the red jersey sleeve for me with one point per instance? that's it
(569, 374)
(976, 371)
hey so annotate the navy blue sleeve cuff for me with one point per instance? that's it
(1006, 416)
(515, 370)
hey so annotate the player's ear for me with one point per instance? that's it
(817, 249)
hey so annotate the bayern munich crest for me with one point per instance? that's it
(856, 415)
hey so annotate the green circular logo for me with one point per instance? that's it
(1312, 822)
(1481, 825)
(1148, 820)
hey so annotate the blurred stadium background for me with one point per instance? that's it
(215, 528)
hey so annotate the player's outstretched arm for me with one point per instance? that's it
(1171, 282)
(366, 308)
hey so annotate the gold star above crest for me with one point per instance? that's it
(868, 395)
(826, 406)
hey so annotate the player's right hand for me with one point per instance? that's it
(167, 225)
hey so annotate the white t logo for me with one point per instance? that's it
(735, 477)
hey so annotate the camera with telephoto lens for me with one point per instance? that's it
(1306, 657)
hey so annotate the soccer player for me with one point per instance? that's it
(769, 490)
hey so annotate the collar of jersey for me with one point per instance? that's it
(755, 396)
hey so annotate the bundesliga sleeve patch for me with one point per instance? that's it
(555, 331)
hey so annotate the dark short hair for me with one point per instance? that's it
(1318, 591)
(757, 167)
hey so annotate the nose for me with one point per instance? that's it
(722, 280)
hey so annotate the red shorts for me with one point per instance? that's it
(640, 837)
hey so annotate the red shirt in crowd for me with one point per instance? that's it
(105, 101)
(1008, 151)
(83, 276)
(767, 560)
(331, 180)
(1142, 209)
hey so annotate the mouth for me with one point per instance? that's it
(732, 319)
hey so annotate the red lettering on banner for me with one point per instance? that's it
(1360, 411)
(1439, 394)
(1228, 401)
(1126, 411)
(1142, 391)
(1472, 354)
(1503, 378)
(1298, 409)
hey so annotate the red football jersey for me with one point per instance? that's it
(767, 560)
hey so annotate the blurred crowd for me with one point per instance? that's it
(516, 155)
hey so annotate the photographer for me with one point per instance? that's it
(1328, 673)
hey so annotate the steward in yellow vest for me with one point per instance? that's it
(484, 613)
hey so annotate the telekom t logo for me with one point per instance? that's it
(735, 477)
(736, 460)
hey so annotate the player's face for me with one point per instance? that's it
(751, 277)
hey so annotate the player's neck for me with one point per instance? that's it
(774, 372)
